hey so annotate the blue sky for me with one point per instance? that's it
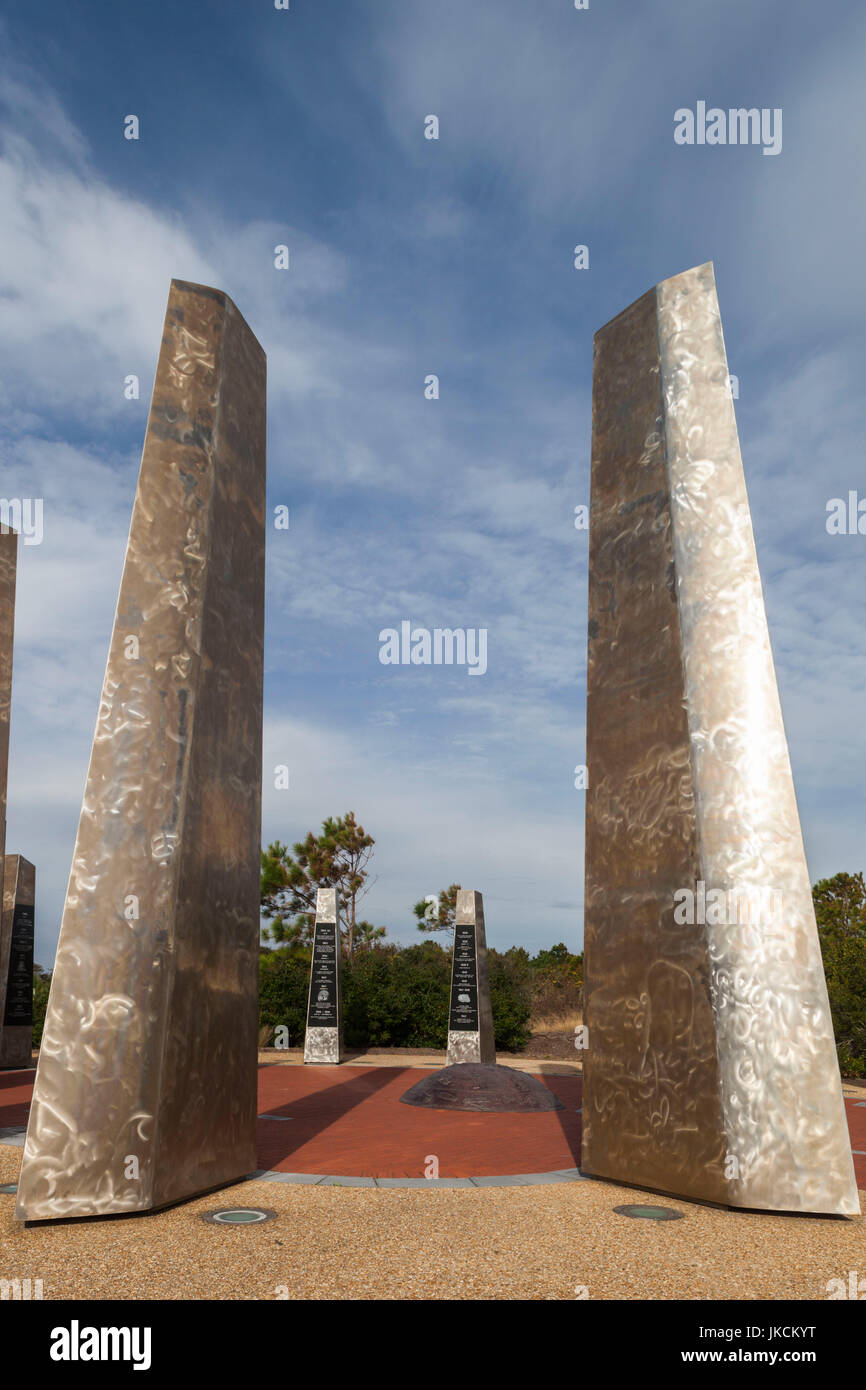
(408, 257)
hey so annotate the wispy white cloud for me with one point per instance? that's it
(476, 830)
(457, 512)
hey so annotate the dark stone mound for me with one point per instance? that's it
(471, 1086)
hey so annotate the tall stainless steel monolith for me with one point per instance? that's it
(16, 961)
(8, 574)
(146, 1086)
(711, 1069)
(323, 1039)
(470, 1020)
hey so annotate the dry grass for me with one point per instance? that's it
(564, 1021)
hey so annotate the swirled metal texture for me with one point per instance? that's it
(8, 572)
(711, 1069)
(145, 1091)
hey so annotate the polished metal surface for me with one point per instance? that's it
(472, 1044)
(19, 893)
(146, 1086)
(8, 572)
(711, 1069)
(324, 1044)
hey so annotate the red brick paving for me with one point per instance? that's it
(349, 1121)
(16, 1088)
(857, 1129)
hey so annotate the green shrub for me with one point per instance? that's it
(557, 988)
(395, 997)
(845, 969)
(840, 911)
(510, 997)
(284, 984)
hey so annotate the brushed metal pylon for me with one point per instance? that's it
(711, 1069)
(146, 1086)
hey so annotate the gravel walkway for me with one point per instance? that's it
(498, 1243)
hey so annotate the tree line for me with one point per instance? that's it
(398, 996)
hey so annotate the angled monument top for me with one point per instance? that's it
(701, 1078)
(146, 1087)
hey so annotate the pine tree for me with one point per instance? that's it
(438, 916)
(337, 858)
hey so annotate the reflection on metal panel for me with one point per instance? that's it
(146, 1087)
(711, 1069)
